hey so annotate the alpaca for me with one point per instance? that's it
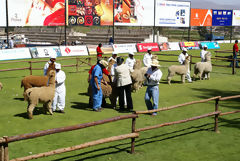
(178, 69)
(138, 75)
(202, 68)
(36, 81)
(43, 95)
(1, 86)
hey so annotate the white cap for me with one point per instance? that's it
(114, 53)
(205, 46)
(149, 48)
(53, 56)
(58, 66)
(184, 49)
(131, 53)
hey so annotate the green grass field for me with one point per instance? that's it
(192, 141)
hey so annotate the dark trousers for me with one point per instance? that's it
(127, 90)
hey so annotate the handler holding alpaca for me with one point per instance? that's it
(46, 66)
(181, 60)
(60, 92)
(153, 76)
(130, 61)
(147, 59)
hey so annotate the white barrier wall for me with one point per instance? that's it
(124, 48)
(74, 50)
(45, 52)
(11, 54)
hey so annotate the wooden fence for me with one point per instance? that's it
(4, 141)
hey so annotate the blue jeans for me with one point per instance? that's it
(152, 92)
(97, 98)
(234, 57)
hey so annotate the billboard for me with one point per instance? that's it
(133, 13)
(106, 49)
(124, 48)
(36, 13)
(3, 13)
(201, 17)
(165, 46)
(210, 45)
(89, 12)
(221, 17)
(45, 52)
(11, 54)
(74, 50)
(189, 45)
(172, 13)
(236, 18)
(143, 47)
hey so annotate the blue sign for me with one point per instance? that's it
(221, 17)
(210, 45)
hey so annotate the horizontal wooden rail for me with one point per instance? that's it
(177, 122)
(65, 129)
(77, 147)
(229, 97)
(227, 113)
(176, 106)
(13, 69)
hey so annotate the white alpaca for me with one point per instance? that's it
(202, 68)
(179, 70)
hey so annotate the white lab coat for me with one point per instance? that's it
(181, 59)
(202, 55)
(60, 91)
(130, 62)
(147, 60)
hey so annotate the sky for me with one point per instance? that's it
(215, 4)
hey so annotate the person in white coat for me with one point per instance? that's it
(203, 53)
(181, 60)
(147, 59)
(52, 60)
(60, 91)
(130, 61)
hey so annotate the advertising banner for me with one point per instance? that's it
(74, 50)
(236, 18)
(172, 13)
(210, 45)
(189, 45)
(36, 13)
(45, 52)
(3, 13)
(106, 49)
(143, 47)
(124, 48)
(11, 54)
(169, 46)
(89, 12)
(221, 17)
(201, 17)
(134, 13)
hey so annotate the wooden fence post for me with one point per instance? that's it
(233, 66)
(30, 68)
(5, 150)
(216, 116)
(1, 152)
(190, 68)
(77, 64)
(133, 139)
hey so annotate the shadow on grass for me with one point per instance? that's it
(37, 111)
(164, 81)
(81, 106)
(20, 99)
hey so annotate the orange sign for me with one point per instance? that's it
(201, 17)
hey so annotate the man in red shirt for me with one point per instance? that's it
(99, 50)
(235, 52)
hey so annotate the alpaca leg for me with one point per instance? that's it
(49, 107)
(30, 110)
(200, 75)
(183, 78)
(208, 75)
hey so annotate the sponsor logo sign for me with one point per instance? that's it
(45, 52)
(172, 13)
(236, 18)
(143, 47)
(210, 45)
(201, 17)
(125, 48)
(74, 50)
(3, 13)
(106, 49)
(19, 53)
(169, 46)
(221, 17)
(189, 45)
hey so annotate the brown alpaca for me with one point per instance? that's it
(1, 86)
(36, 81)
(43, 95)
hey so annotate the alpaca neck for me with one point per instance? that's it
(51, 82)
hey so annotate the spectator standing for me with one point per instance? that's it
(111, 41)
(147, 59)
(153, 76)
(130, 61)
(181, 60)
(235, 52)
(113, 57)
(11, 43)
(60, 91)
(99, 51)
(203, 53)
(52, 60)
(96, 85)
(123, 78)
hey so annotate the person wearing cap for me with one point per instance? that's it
(235, 52)
(52, 60)
(95, 82)
(124, 82)
(153, 76)
(60, 91)
(130, 61)
(203, 53)
(113, 57)
(147, 59)
(181, 60)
